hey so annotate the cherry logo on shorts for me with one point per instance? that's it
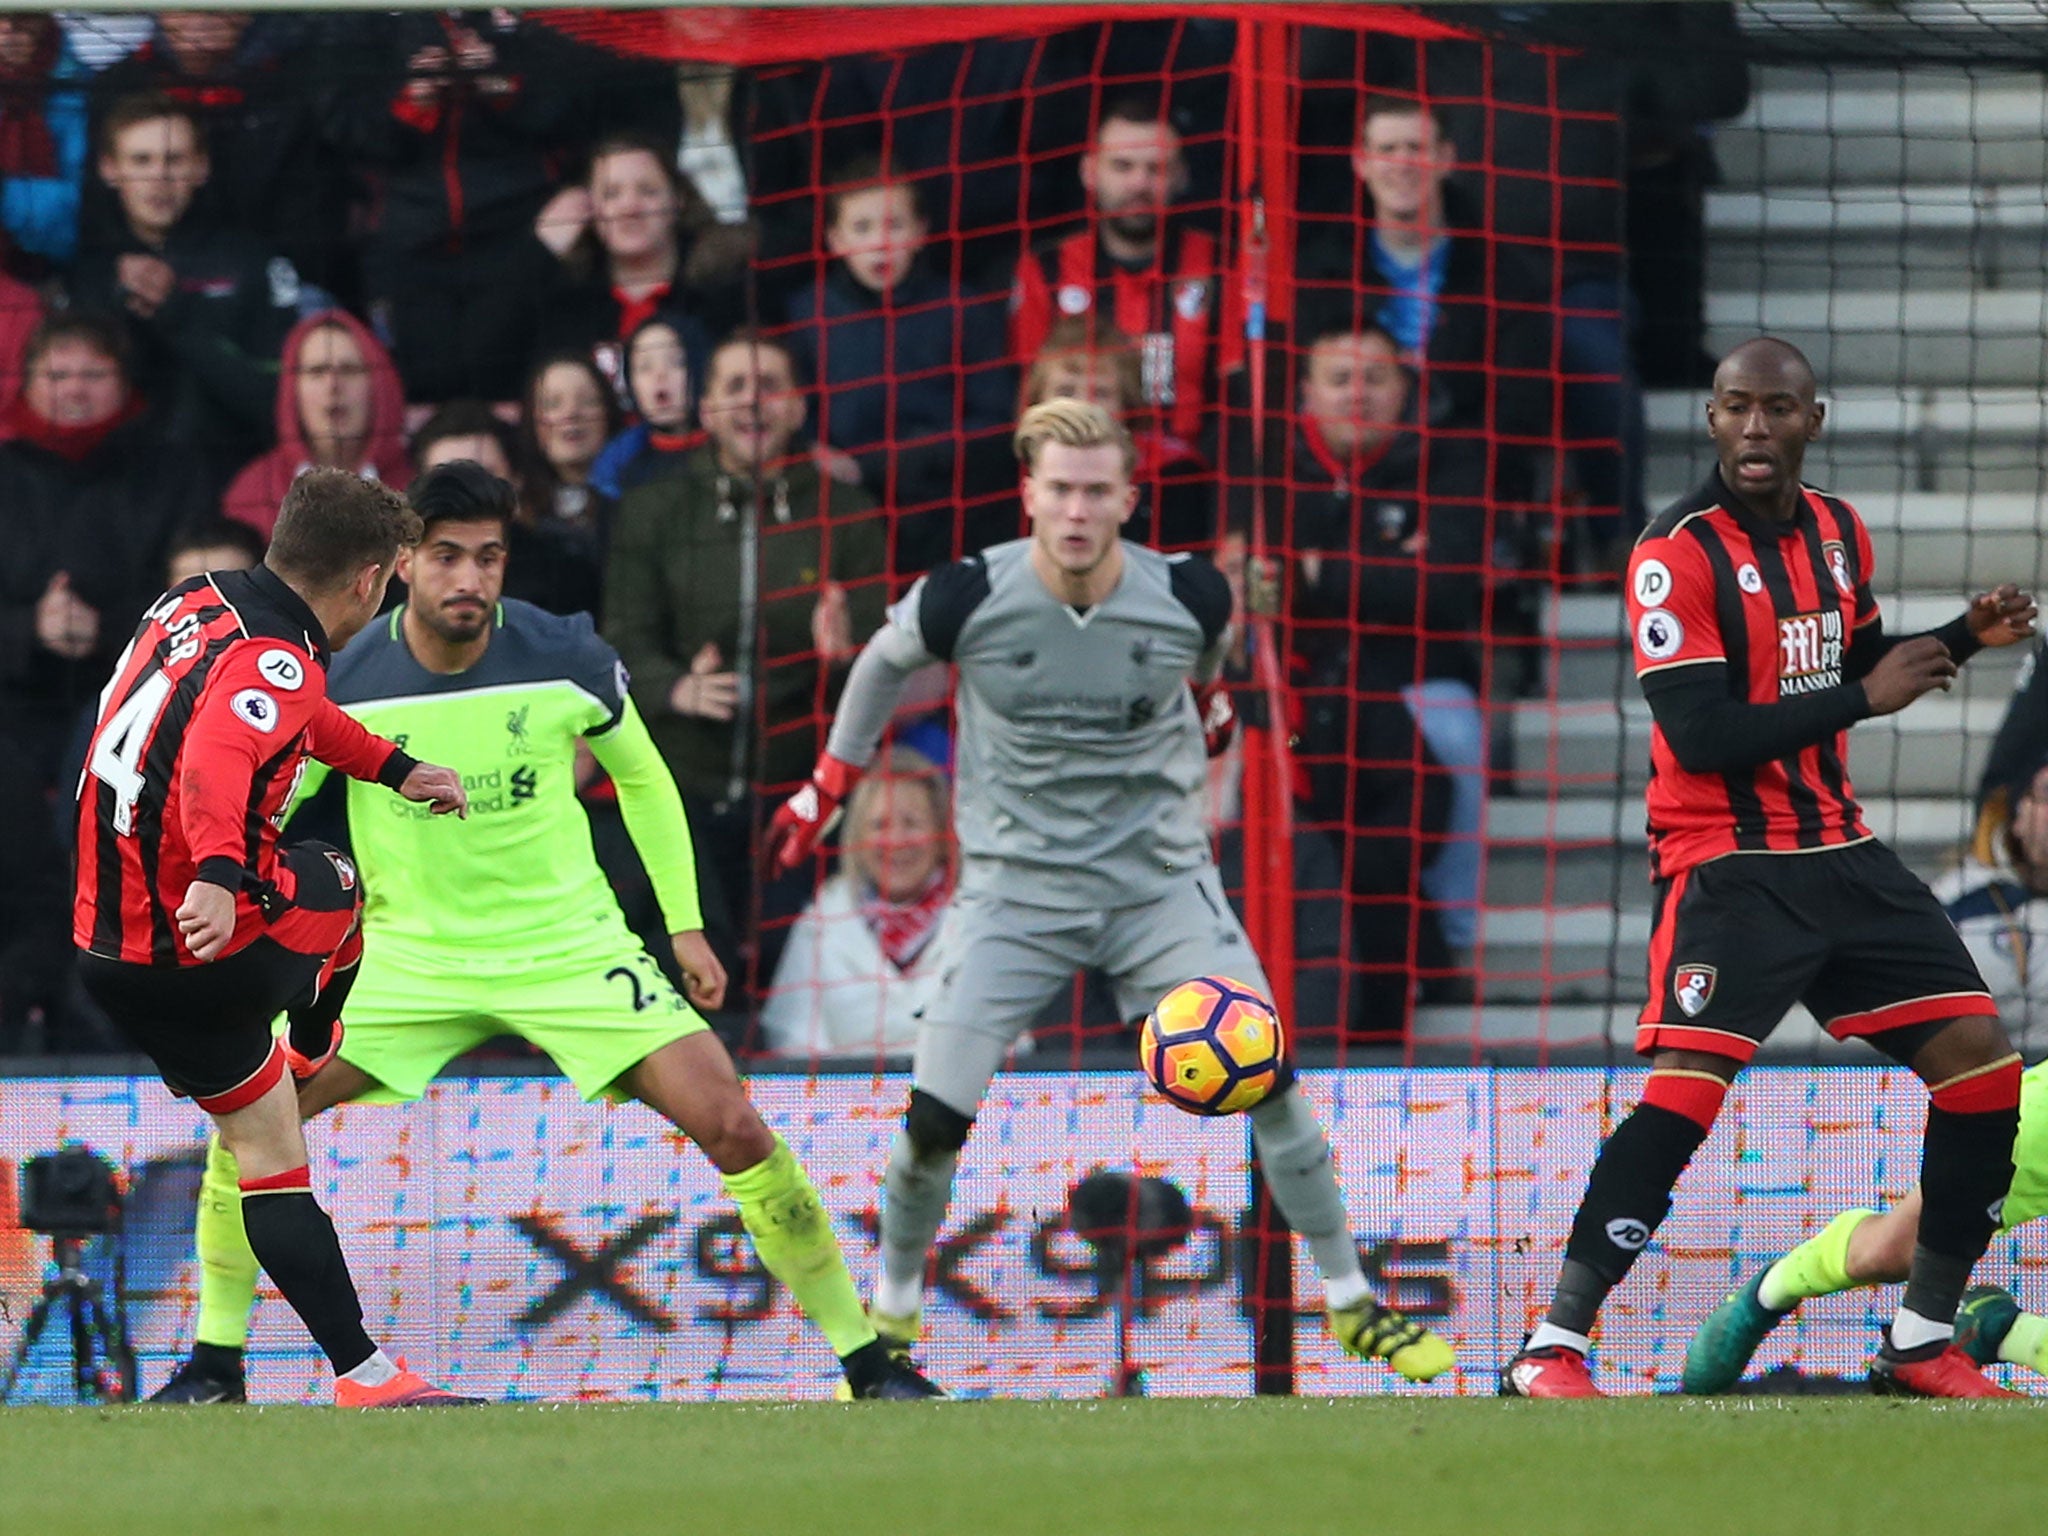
(1693, 986)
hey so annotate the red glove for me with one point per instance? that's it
(804, 817)
(1219, 720)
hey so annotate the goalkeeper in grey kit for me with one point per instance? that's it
(1087, 693)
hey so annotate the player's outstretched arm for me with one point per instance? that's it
(652, 808)
(865, 709)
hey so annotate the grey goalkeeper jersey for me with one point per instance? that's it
(1079, 764)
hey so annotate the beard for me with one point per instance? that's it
(456, 626)
(1138, 225)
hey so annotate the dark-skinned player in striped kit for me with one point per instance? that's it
(1758, 644)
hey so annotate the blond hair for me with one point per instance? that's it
(1072, 424)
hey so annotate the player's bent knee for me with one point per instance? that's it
(933, 1127)
(735, 1138)
(1951, 1048)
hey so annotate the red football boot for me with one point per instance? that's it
(1553, 1371)
(1931, 1372)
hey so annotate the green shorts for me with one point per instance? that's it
(2027, 1200)
(597, 1012)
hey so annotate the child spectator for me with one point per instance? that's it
(219, 544)
(914, 387)
(339, 406)
(635, 237)
(862, 961)
(256, 83)
(658, 391)
(466, 429)
(1084, 358)
(42, 137)
(556, 553)
(207, 308)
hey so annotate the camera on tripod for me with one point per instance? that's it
(71, 1195)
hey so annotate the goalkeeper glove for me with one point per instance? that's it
(1219, 720)
(804, 817)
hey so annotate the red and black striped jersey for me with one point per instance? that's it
(1779, 606)
(203, 733)
(1177, 311)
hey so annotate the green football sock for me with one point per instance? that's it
(2026, 1343)
(793, 1235)
(1817, 1267)
(227, 1264)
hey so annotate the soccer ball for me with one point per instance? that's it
(1212, 1046)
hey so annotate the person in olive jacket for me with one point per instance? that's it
(737, 592)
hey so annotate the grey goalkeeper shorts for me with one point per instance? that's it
(1001, 962)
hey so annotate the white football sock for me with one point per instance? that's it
(1910, 1330)
(373, 1372)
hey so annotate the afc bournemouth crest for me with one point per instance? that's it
(1693, 986)
(1838, 566)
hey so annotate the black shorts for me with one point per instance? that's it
(1850, 932)
(208, 1027)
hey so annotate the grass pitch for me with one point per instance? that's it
(1287, 1467)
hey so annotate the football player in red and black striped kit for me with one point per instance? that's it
(196, 928)
(1758, 645)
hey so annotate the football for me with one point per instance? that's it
(1212, 1046)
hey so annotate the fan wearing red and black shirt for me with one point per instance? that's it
(196, 928)
(1759, 644)
(1152, 276)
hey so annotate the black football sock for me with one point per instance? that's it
(217, 1361)
(867, 1367)
(1965, 1171)
(295, 1243)
(1627, 1197)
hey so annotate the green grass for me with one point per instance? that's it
(1289, 1468)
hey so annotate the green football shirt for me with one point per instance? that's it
(518, 876)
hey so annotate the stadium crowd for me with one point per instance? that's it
(750, 344)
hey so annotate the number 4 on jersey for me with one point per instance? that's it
(123, 738)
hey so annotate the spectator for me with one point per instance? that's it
(658, 392)
(915, 390)
(737, 592)
(466, 429)
(42, 137)
(1155, 277)
(1418, 263)
(1389, 531)
(90, 498)
(1991, 900)
(862, 961)
(556, 555)
(634, 238)
(339, 406)
(254, 84)
(207, 308)
(21, 311)
(1084, 358)
(459, 118)
(220, 544)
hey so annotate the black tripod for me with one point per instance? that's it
(102, 1364)
(1127, 1221)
